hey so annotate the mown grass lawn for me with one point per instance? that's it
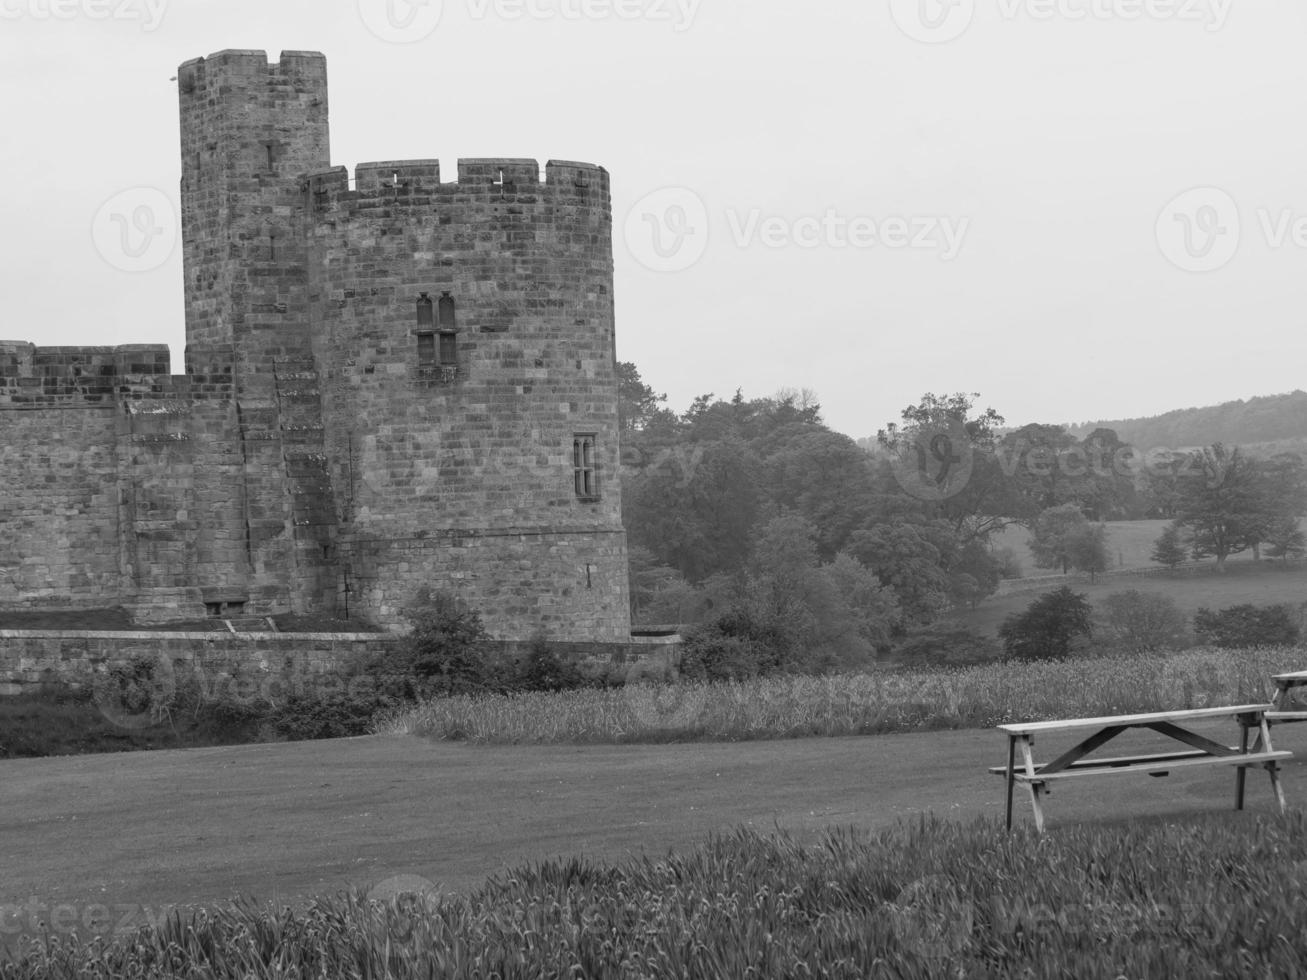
(142, 832)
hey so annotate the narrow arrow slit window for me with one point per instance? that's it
(584, 470)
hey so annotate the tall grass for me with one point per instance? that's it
(1214, 898)
(858, 704)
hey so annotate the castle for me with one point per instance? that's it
(390, 383)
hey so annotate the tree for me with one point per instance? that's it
(1221, 503)
(1144, 622)
(1280, 501)
(696, 513)
(1170, 548)
(909, 560)
(789, 612)
(1284, 538)
(443, 654)
(637, 403)
(1048, 627)
(1054, 534)
(1108, 490)
(1035, 459)
(822, 475)
(944, 437)
(1087, 550)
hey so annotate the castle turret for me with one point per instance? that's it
(248, 131)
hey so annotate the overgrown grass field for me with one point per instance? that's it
(1263, 583)
(1218, 897)
(859, 704)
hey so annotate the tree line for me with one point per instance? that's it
(752, 516)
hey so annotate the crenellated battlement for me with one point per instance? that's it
(236, 66)
(418, 182)
(51, 377)
(19, 359)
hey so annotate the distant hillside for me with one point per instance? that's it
(1274, 423)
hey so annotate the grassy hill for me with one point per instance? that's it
(1266, 424)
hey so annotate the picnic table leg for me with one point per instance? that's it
(1241, 772)
(1028, 757)
(1011, 775)
(1272, 767)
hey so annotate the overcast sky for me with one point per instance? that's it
(1078, 208)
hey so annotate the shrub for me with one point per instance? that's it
(1142, 621)
(444, 654)
(721, 651)
(544, 670)
(1049, 626)
(1247, 626)
(305, 717)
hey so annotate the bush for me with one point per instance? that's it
(1248, 626)
(306, 717)
(1049, 627)
(1141, 621)
(445, 653)
(718, 652)
(947, 645)
(544, 670)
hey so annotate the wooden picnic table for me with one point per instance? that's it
(1201, 751)
(1285, 686)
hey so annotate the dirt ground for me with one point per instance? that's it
(139, 833)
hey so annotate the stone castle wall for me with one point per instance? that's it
(272, 665)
